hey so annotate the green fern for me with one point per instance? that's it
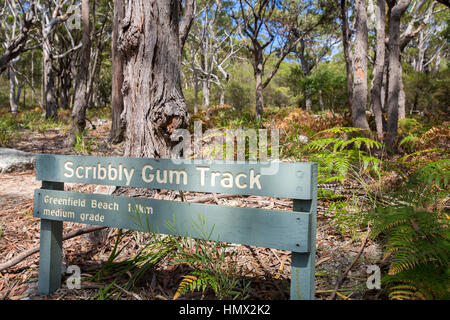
(341, 153)
(339, 130)
(428, 184)
(409, 142)
(192, 283)
(417, 233)
(410, 129)
(418, 248)
(221, 283)
(214, 266)
(418, 240)
(425, 282)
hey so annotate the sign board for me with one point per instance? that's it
(285, 230)
(290, 180)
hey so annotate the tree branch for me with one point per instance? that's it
(18, 45)
(186, 22)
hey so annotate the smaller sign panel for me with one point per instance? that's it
(284, 230)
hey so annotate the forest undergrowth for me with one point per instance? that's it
(398, 198)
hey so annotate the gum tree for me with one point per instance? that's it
(154, 106)
(361, 47)
(82, 79)
(272, 29)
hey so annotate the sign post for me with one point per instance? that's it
(50, 249)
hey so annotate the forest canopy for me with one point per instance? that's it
(247, 54)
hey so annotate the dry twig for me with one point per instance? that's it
(344, 275)
(35, 249)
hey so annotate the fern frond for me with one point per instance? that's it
(418, 233)
(185, 285)
(435, 133)
(417, 153)
(437, 173)
(340, 130)
(384, 219)
(409, 140)
(321, 144)
(415, 237)
(405, 292)
(425, 282)
(196, 281)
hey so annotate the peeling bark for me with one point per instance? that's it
(82, 86)
(401, 97)
(118, 124)
(359, 100)
(378, 71)
(154, 105)
(259, 72)
(51, 107)
(14, 90)
(206, 93)
(394, 70)
(347, 49)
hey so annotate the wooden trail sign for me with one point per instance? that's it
(293, 231)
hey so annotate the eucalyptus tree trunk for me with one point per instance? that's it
(81, 88)
(258, 69)
(347, 49)
(207, 64)
(118, 124)
(14, 91)
(259, 96)
(378, 71)
(154, 104)
(395, 70)
(206, 93)
(196, 91)
(66, 84)
(321, 104)
(190, 8)
(306, 69)
(359, 100)
(308, 102)
(418, 63)
(401, 97)
(49, 77)
(222, 96)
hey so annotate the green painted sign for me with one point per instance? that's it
(285, 230)
(284, 180)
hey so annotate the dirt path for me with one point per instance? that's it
(17, 186)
